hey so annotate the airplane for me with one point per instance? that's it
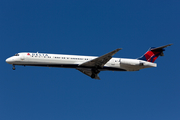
(89, 65)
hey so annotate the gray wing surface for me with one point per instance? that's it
(88, 72)
(93, 65)
(100, 61)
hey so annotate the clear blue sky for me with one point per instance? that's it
(90, 27)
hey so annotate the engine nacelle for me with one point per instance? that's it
(130, 62)
(135, 65)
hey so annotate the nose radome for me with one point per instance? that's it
(9, 60)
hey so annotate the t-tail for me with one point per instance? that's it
(153, 53)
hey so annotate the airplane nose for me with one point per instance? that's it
(9, 60)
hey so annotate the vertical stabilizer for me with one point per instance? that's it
(153, 53)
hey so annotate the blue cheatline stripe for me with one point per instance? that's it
(142, 58)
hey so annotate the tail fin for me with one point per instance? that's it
(153, 53)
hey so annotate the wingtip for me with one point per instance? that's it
(97, 78)
(119, 49)
(170, 44)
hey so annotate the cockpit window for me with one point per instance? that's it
(16, 54)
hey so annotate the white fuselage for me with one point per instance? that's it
(73, 61)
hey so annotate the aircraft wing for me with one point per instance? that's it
(88, 72)
(100, 61)
(90, 68)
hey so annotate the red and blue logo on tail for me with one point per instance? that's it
(153, 53)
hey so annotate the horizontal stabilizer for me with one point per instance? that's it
(160, 48)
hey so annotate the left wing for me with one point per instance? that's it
(89, 73)
(95, 64)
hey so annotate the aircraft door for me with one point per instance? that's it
(22, 57)
(119, 62)
(115, 62)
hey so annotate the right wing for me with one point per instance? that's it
(100, 61)
(91, 67)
